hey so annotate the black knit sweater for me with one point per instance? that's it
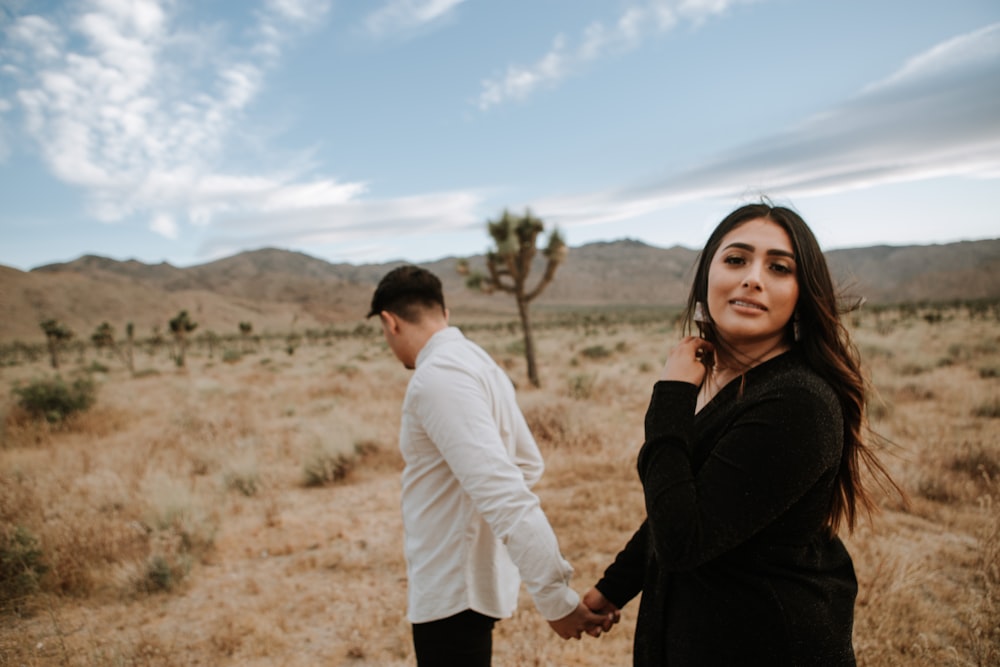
(734, 561)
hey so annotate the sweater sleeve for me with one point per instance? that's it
(777, 447)
(623, 579)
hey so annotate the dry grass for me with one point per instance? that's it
(246, 513)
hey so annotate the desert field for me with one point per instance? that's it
(244, 509)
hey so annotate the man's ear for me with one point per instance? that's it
(389, 321)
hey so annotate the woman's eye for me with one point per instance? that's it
(733, 259)
(781, 268)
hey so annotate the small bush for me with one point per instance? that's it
(596, 352)
(54, 400)
(325, 467)
(162, 575)
(231, 355)
(989, 409)
(976, 460)
(515, 347)
(581, 387)
(243, 477)
(174, 514)
(330, 463)
(21, 567)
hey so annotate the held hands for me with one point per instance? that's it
(599, 604)
(685, 363)
(594, 614)
(580, 620)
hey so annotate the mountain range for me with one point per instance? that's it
(279, 291)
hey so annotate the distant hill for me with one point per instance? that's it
(278, 290)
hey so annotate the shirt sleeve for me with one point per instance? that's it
(457, 417)
(772, 453)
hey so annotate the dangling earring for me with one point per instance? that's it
(700, 314)
(796, 329)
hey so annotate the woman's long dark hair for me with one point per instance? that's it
(825, 344)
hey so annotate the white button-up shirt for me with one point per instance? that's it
(471, 520)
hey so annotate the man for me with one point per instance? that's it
(473, 527)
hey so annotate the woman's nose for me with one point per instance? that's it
(752, 277)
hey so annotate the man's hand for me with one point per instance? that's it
(580, 620)
(597, 603)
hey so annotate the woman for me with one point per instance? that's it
(752, 461)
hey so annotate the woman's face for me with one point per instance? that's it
(753, 286)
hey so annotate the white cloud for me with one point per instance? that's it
(35, 38)
(965, 51)
(349, 220)
(139, 120)
(597, 41)
(939, 115)
(129, 118)
(279, 20)
(405, 15)
(164, 225)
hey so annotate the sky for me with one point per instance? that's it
(367, 131)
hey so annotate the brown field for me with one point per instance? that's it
(245, 512)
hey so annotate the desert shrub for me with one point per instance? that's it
(560, 424)
(231, 355)
(935, 489)
(53, 399)
(348, 370)
(515, 347)
(596, 352)
(97, 367)
(988, 409)
(987, 648)
(174, 512)
(21, 567)
(164, 574)
(976, 460)
(331, 462)
(325, 466)
(243, 477)
(581, 386)
(911, 368)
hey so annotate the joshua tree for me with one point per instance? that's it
(180, 327)
(129, 345)
(104, 336)
(509, 264)
(56, 335)
(211, 339)
(246, 328)
(155, 341)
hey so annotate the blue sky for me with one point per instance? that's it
(367, 131)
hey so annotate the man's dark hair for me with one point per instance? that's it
(405, 290)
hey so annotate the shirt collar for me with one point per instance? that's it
(446, 335)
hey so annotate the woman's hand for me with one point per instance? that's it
(686, 362)
(597, 603)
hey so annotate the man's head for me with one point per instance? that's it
(410, 304)
(406, 292)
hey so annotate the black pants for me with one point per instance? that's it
(462, 640)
